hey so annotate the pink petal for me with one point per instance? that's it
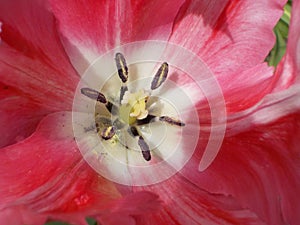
(32, 58)
(244, 89)
(95, 27)
(228, 35)
(18, 116)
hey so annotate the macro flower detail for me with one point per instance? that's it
(147, 112)
(130, 111)
(112, 137)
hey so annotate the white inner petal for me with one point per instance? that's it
(120, 158)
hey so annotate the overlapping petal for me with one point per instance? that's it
(234, 39)
(223, 33)
(234, 35)
(260, 168)
(259, 160)
(53, 171)
(19, 116)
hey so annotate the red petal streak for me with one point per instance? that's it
(228, 35)
(95, 27)
(31, 56)
(271, 108)
(242, 90)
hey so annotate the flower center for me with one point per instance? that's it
(130, 111)
(133, 106)
(153, 133)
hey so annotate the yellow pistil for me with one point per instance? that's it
(134, 106)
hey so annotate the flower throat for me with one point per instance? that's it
(131, 110)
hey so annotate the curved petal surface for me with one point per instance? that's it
(260, 168)
(21, 215)
(32, 58)
(185, 203)
(259, 161)
(18, 116)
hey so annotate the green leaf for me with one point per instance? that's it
(286, 17)
(281, 31)
(91, 221)
(56, 223)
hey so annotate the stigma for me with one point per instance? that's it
(137, 103)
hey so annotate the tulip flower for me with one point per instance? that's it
(88, 87)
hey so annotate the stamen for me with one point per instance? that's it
(141, 142)
(101, 121)
(93, 94)
(171, 121)
(147, 120)
(109, 107)
(133, 131)
(132, 109)
(119, 124)
(145, 149)
(108, 133)
(98, 96)
(122, 92)
(122, 67)
(167, 119)
(160, 76)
